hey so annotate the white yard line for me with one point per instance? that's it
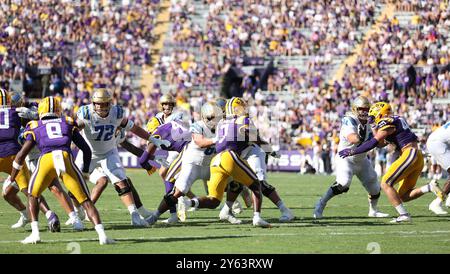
(400, 233)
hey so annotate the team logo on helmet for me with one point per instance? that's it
(235, 107)
(378, 111)
(49, 107)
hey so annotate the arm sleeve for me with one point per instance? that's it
(81, 144)
(366, 146)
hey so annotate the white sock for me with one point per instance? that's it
(256, 214)
(100, 231)
(48, 214)
(196, 202)
(426, 188)
(35, 227)
(401, 209)
(132, 208)
(439, 176)
(73, 215)
(328, 195)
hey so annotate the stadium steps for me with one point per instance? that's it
(381, 11)
(160, 31)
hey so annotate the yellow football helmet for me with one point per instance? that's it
(378, 111)
(101, 99)
(168, 100)
(5, 98)
(211, 114)
(50, 107)
(16, 99)
(235, 107)
(360, 107)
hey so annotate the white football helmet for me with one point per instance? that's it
(211, 114)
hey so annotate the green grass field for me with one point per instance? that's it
(345, 229)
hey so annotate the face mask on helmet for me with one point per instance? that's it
(211, 115)
(361, 107)
(102, 109)
(101, 99)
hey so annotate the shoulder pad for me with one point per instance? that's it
(385, 122)
(69, 120)
(119, 112)
(242, 120)
(349, 121)
(196, 128)
(84, 112)
(32, 124)
(153, 124)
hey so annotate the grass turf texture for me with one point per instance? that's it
(345, 227)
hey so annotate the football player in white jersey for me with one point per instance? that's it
(354, 131)
(438, 145)
(195, 159)
(99, 122)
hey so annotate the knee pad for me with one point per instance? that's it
(374, 197)
(235, 187)
(170, 200)
(266, 188)
(122, 191)
(338, 189)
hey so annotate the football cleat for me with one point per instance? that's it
(137, 221)
(183, 205)
(402, 218)
(318, 210)
(436, 207)
(258, 221)
(377, 214)
(436, 189)
(144, 213)
(236, 208)
(106, 241)
(173, 219)
(32, 239)
(226, 215)
(53, 223)
(23, 220)
(286, 216)
(151, 219)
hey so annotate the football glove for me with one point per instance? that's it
(152, 170)
(159, 142)
(27, 113)
(346, 152)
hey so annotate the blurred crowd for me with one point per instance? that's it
(242, 48)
